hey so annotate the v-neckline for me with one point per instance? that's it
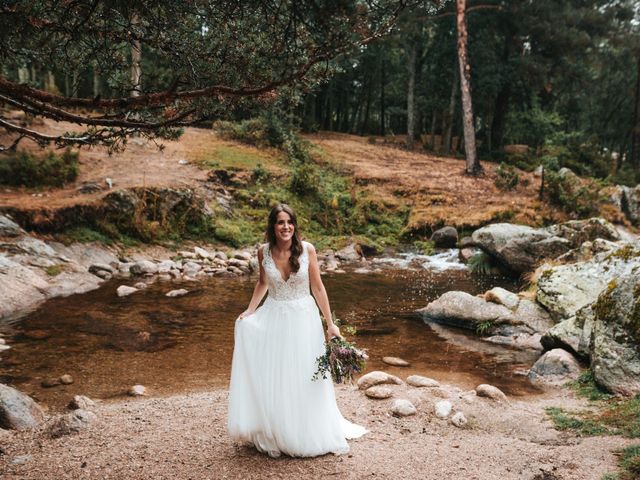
(277, 269)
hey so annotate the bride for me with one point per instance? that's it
(273, 402)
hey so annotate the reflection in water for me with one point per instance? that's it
(182, 344)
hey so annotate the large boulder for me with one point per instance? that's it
(460, 309)
(519, 247)
(17, 410)
(573, 334)
(446, 237)
(556, 366)
(615, 347)
(20, 287)
(9, 228)
(565, 289)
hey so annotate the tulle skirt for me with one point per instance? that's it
(273, 402)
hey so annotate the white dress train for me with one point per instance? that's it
(273, 401)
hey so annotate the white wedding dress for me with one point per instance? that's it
(273, 401)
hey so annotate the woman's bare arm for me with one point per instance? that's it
(259, 290)
(319, 292)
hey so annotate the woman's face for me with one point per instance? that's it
(284, 227)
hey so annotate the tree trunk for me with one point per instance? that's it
(502, 103)
(451, 113)
(411, 90)
(136, 57)
(434, 118)
(473, 165)
(635, 132)
(382, 105)
(96, 82)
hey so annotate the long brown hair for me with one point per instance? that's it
(296, 243)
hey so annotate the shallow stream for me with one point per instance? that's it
(176, 345)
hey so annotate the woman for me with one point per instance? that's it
(273, 401)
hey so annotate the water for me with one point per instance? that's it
(174, 345)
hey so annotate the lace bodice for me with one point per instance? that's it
(296, 286)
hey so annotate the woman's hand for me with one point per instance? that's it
(333, 331)
(246, 313)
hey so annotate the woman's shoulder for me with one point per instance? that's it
(308, 246)
(263, 248)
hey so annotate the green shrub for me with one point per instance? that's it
(304, 179)
(579, 198)
(260, 174)
(480, 264)
(28, 170)
(506, 177)
(426, 247)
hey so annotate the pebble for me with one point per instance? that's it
(459, 420)
(50, 382)
(80, 401)
(443, 408)
(124, 290)
(378, 392)
(137, 391)
(177, 293)
(403, 408)
(420, 381)
(140, 285)
(489, 391)
(66, 379)
(374, 378)
(395, 361)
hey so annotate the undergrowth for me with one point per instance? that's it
(25, 169)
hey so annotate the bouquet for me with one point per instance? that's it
(342, 360)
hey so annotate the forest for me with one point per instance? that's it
(550, 81)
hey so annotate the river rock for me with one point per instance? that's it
(461, 309)
(443, 408)
(20, 287)
(615, 352)
(221, 255)
(350, 253)
(166, 266)
(125, 290)
(459, 420)
(502, 297)
(378, 392)
(50, 382)
(66, 379)
(98, 268)
(395, 361)
(403, 408)
(177, 293)
(573, 334)
(534, 316)
(420, 381)
(191, 268)
(446, 237)
(467, 253)
(137, 391)
(580, 231)
(489, 391)
(81, 402)
(377, 377)
(17, 410)
(140, 285)
(70, 423)
(519, 247)
(202, 253)
(143, 267)
(246, 256)
(556, 366)
(565, 289)
(9, 228)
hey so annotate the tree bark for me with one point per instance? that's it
(411, 91)
(473, 165)
(136, 57)
(96, 82)
(635, 129)
(502, 103)
(382, 104)
(451, 113)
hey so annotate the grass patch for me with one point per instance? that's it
(426, 247)
(585, 386)
(616, 417)
(82, 235)
(228, 156)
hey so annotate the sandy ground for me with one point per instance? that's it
(184, 437)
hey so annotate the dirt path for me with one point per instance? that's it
(185, 437)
